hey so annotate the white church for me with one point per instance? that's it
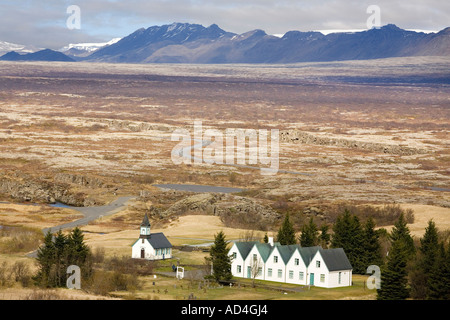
(151, 246)
(315, 266)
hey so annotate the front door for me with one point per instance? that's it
(249, 272)
(142, 253)
(311, 279)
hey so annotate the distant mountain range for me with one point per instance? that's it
(42, 55)
(194, 43)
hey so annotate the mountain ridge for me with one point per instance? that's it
(194, 43)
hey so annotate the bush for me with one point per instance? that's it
(104, 282)
(383, 216)
(19, 239)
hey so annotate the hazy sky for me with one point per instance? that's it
(43, 23)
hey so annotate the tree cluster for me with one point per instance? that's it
(57, 253)
(418, 273)
(360, 242)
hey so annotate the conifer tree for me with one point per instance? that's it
(45, 259)
(348, 235)
(324, 238)
(401, 232)
(78, 252)
(372, 246)
(61, 260)
(286, 233)
(221, 262)
(394, 274)
(439, 276)
(266, 238)
(309, 234)
(429, 246)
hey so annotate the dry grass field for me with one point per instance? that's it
(369, 133)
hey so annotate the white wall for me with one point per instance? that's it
(150, 253)
(250, 262)
(235, 262)
(275, 266)
(301, 267)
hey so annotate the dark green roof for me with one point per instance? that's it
(307, 253)
(264, 250)
(245, 247)
(335, 259)
(287, 251)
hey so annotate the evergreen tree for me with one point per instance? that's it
(394, 275)
(78, 252)
(309, 234)
(424, 262)
(400, 231)
(45, 259)
(348, 235)
(429, 246)
(286, 233)
(61, 262)
(439, 276)
(372, 246)
(324, 238)
(221, 262)
(266, 238)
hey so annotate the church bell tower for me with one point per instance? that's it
(145, 227)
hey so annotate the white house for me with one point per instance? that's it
(328, 268)
(151, 246)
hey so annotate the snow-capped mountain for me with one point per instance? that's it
(89, 47)
(81, 50)
(6, 47)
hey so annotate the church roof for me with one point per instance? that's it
(158, 240)
(145, 221)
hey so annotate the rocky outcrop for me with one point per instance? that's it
(219, 204)
(202, 202)
(297, 136)
(90, 182)
(25, 188)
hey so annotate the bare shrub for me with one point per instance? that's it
(104, 282)
(20, 272)
(45, 295)
(19, 239)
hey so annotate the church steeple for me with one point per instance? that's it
(145, 226)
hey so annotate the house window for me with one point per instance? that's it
(255, 257)
(280, 273)
(259, 272)
(296, 262)
(238, 269)
(142, 240)
(318, 264)
(339, 278)
(275, 259)
(269, 272)
(322, 277)
(234, 255)
(291, 274)
(300, 275)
